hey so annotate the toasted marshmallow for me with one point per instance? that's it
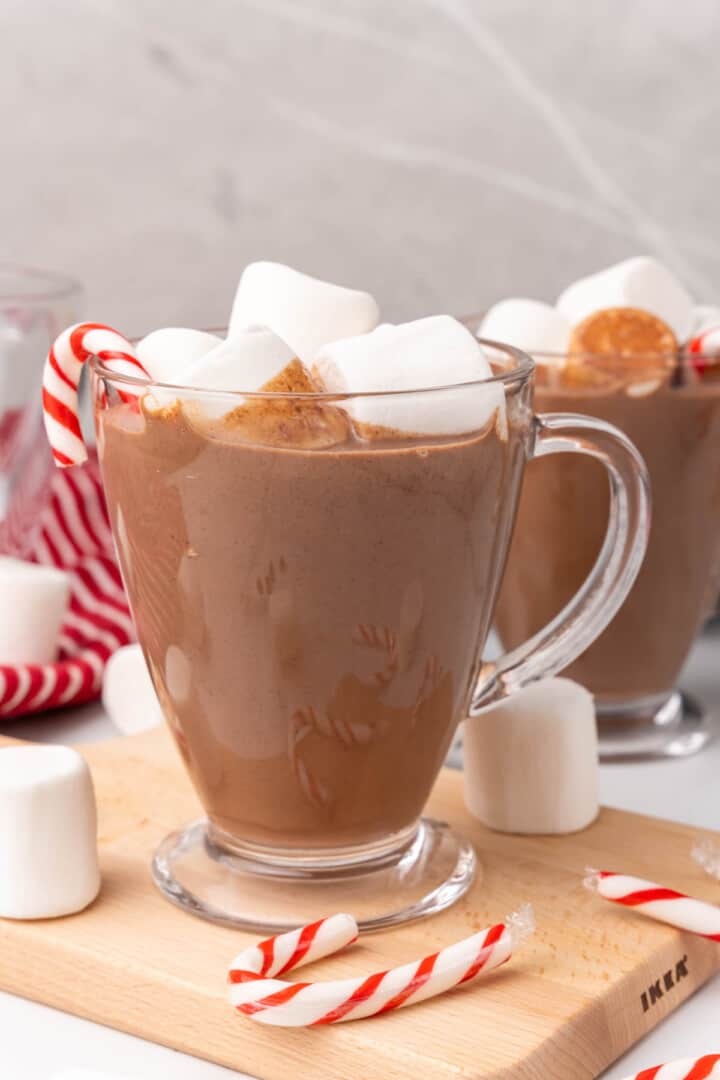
(245, 361)
(531, 325)
(168, 353)
(128, 693)
(33, 602)
(531, 760)
(304, 312)
(434, 352)
(642, 283)
(48, 842)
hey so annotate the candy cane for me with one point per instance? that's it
(62, 375)
(655, 901)
(685, 1069)
(255, 990)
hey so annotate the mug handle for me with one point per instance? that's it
(597, 601)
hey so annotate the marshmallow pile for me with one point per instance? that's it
(636, 310)
(281, 317)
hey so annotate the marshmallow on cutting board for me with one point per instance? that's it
(642, 283)
(33, 602)
(168, 353)
(305, 312)
(531, 760)
(530, 325)
(128, 694)
(48, 839)
(434, 352)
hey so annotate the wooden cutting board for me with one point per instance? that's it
(573, 1000)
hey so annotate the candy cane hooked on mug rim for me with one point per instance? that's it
(702, 1068)
(256, 991)
(657, 902)
(61, 376)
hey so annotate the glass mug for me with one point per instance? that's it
(633, 666)
(34, 307)
(313, 606)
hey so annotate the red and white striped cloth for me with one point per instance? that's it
(59, 518)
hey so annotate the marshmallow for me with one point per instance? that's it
(33, 602)
(246, 361)
(528, 324)
(531, 760)
(166, 354)
(642, 283)
(128, 693)
(304, 312)
(434, 352)
(48, 845)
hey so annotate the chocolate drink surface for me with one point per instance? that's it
(311, 604)
(562, 520)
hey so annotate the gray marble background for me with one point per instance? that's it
(441, 153)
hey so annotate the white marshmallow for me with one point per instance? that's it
(128, 693)
(246, 361)
(33, 602)
(304, 312)
(528, 324)
(704, 317)
(166, 354)
(531, 760)
(48, 840)
(434, 352)
(642, 283)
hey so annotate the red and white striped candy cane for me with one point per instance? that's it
(62, 375)
(256, 991)
(703, 351)
(657, 902)
(702, 1068)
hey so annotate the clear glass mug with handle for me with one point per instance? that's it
(35, 305)
(313, 596)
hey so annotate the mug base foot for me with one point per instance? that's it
(676, 728)
(426, 875)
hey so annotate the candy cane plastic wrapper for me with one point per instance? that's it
(62, 375)
(707, 854)
(256, 991)
(657, 902)
(703, 1068)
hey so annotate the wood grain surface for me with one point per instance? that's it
(564, 1007)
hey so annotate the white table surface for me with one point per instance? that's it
(36, 1042)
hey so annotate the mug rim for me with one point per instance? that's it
(522, 370)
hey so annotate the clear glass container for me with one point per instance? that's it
(35, 305)
(313, 596)
(633, 667)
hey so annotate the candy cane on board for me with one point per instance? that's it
(657, 902)
(255, 989)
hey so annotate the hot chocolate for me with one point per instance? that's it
(628, 346)
(313, 608)
(562, 520)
